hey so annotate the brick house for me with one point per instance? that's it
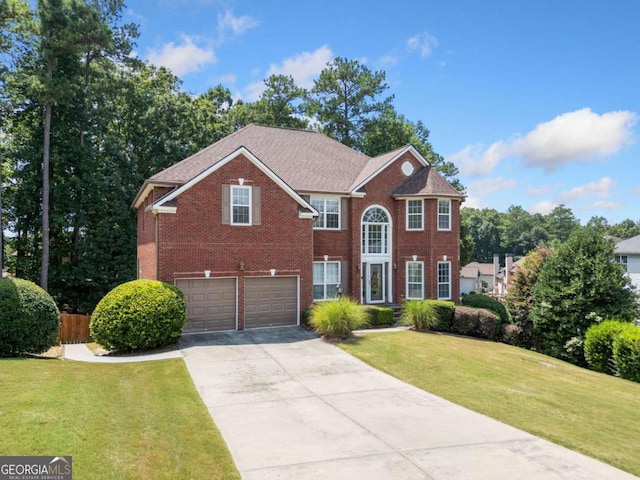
(259, 225)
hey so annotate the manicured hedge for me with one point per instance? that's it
(475, 322)
(29, 318)
(139, 315)
(598, 344)
(490, 303)
(379, 315)
(626, 354)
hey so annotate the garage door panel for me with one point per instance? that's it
(211, 304)
(271, 301)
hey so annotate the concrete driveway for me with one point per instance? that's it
(291, 406)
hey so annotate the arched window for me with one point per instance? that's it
(375, 232)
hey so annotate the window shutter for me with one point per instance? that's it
(256, 206)
(344, 214)
(344, 278)
(226, 204)
(306, 198)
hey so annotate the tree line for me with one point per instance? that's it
(83, 124)
(487, 232)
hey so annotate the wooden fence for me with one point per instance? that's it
(74, 328)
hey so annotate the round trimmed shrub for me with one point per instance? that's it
(510, 334)
(490, 303)
(29, 318)
(465, 321)
(139, 315)
(488, 324)
(337, 318)
(598, 344)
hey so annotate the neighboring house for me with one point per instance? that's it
(259, 225)
(628, 254)
(474, 274)
(504, 275)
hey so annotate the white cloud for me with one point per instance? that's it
(602, 205)
(237, 25)
(184, 58)
(424, 42)
(489, 186)
(303, 67)
(572, 137)
(537, 191)
(602, 188)
(544, 207)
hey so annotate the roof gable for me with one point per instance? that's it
(165, 204)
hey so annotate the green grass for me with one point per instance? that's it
(589, 412)
(125, 421)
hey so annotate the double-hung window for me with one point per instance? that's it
(415, 280)
(444, 214)
(414, 214)
(329, 213)
(240, 205)
(444, 280)
(326, 277)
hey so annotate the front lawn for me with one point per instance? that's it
(589, 412)
(118, 421)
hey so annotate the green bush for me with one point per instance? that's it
(598, 344)
(337, 318)
(29, 318)
(465, 321)
(139, 315)
(444, 311)
(490, 303)
(488, 324)
(510, 334)
(626, 354)
(379, 315)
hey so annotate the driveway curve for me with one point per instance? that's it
(291, 406)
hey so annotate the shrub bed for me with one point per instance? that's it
(29, 318)
(139, 315)
(510, 334)
(337, 318)
(490, 303)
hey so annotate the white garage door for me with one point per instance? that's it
(270, 301)
(211, 304)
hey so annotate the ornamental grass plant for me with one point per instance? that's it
(337, 318)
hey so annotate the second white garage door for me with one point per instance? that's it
(270, 301)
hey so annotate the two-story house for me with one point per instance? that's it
(261, 224)
(628, 254)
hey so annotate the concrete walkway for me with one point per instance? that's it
(291, 406)
(81, 353)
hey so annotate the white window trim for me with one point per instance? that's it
(324, 284)
(323, 213)
(249, 189)
(438, 282)
(448, 215)
(409, 229)
(407, 290)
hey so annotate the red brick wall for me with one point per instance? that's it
(147, 267)
(194, 238)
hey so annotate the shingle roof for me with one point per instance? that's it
(484, 268)
(307, 161)
(426, 181)
(630, 245)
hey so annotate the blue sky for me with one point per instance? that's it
(536, 102)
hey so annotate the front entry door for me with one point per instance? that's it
(376, 283)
